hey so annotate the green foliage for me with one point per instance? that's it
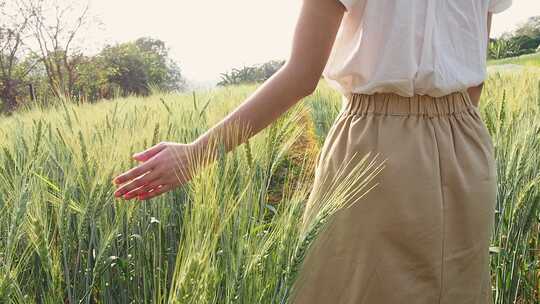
(524, 40)
(93, 79)
(121, 69)
(502, 48)
(135, 66)
(530, 28)
(251, 74)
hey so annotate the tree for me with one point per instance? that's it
(13, 28)
(128, 69)
(55, 24)
(162, 70)
(10, 43)
(251, 74)
(135, 66)
(524, 40)
(93, 78)
(525, 44)
(39, 56)
(530, 28)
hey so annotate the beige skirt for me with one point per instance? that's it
(421, 236)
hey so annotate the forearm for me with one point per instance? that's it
(274, 97)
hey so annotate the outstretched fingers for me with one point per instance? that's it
(155, 192)
(150, 152)
(135, 175)
(143, 189)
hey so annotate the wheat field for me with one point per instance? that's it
(233, 234)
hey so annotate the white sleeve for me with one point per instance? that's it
(497, 6)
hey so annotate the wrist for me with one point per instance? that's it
(200, 149)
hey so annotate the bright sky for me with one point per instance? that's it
(211, 37)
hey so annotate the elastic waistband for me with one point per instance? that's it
(393, 104)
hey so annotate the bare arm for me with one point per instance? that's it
(476, 91)
(314, 36)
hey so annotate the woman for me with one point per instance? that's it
(411, 74)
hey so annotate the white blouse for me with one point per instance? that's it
(431, 47)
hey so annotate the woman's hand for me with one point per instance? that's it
(163, 167)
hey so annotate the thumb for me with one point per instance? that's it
(150, 152)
